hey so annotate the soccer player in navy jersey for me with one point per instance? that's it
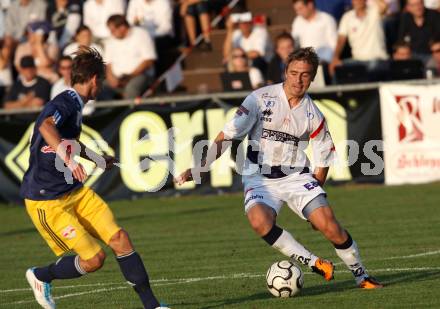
(69, 216)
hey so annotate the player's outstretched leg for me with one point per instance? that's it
(133, 269)
(67, 267)
(262, 219)
(323, 219)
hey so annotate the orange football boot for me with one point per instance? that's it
(324, 268)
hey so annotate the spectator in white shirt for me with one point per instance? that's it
(130, 55)
(97, 12)
(19, 14)
(156, 16)
(22, 12)
(432, 4)
(64, 67)
(254, 40)
(314, 28)
(83, 37)
(362, 27)
(5, 66)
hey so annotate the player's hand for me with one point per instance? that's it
(332, 66)
(229, 24)
(109, 161)
(113, 81)
(184, 177)
(78, 171)
(319, 178)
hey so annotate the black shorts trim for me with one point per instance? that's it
(55, 238)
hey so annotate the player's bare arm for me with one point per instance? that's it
(320, 173)
(215, 151)
(52, 137)
(336, 61)
(90, 155)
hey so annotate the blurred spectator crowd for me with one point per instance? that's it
(139, 40)
(357, 41)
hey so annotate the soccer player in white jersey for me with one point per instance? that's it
(280, 120)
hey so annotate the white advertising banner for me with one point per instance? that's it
(411, 133)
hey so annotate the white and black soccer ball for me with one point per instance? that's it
(284, 279)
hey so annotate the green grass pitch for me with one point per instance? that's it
(201, 253)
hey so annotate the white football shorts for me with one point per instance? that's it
(296, 190)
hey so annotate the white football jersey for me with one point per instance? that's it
(280, 134)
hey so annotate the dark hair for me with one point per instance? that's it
(81, 29)
(305, 2)
(87, 63)
(117, 21)
(400, 44)
(434, 40)
(27, 62)
(283, 36)
(64, 57)
(306, 54)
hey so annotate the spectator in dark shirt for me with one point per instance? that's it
(417, 27)
(284, 45)
(65, 17)
(29, 90)
(336, 8)
(433, 65)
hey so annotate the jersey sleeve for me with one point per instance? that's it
(60, 112)
(323, 149)
(244, 119)
(343, 25)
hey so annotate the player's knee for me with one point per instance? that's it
(94, 263)
(261, 224)
(120, 243)
(120, 238)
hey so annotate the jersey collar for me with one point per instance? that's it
(78, 97)
(286, 99)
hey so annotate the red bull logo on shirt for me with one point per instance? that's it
(47, 149)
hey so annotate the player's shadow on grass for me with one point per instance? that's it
(151, 216)
(409, 276)
(337, 286)
(388, 280)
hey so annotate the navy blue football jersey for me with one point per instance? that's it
(42, 180)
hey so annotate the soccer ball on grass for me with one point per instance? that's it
(284, 279)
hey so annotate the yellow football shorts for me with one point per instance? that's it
(74, 222)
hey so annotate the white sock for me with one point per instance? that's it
(288, 246)
(352, 259)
